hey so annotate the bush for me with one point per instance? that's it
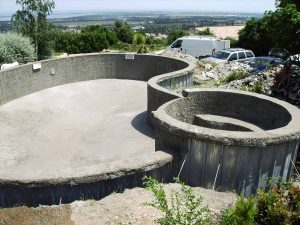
(242, 214)
(206, 31)
(139, 39)
(233, 42)
(279, 205)
(175, 34)
(183, 208)
(124, 32)
(92, 39)
(15, 47)
(234, 75)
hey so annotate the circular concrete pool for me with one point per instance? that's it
(230, 140)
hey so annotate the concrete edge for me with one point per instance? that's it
(103, 172)
(265, 138)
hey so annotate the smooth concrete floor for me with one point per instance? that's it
(56, 131)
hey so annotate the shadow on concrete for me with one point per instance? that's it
(140, 123)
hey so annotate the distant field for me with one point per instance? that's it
(224, 31)
(82, 23)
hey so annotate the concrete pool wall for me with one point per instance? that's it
(23, 80)
(218, 153)
(114, 176)
(255, 138)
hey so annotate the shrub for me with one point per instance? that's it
(279, 205)
(183, 208)
(139, 39)
(15, 47)
(206, 31)
(242, 214)
(234, 75)
(175, 34)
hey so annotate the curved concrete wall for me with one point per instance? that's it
(23, 80)
(229, 159)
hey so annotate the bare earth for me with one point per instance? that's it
(126, 208)
(225, 31)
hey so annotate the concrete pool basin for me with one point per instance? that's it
(76, 127)
(85, 126)
(230, 140)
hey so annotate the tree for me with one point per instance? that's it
(175, 34)
(284, 3)
(110, 36)
(93, 38)
(279, 29)
(31, 21)
(124, 32)
(254, 36)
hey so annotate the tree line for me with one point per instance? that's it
(279, 28)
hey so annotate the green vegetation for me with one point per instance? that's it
(95, 38)
(124, 32)
(15, 47)
(279, 29)
(234, 43)
(175, 34)
(206, 31)
(182, 208)
(242, 214)
(139, 39)
(279, 205)
(284, 3)
(234, 75)
(257, 87)
(91, 39)
(31, 21)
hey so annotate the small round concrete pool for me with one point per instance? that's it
(230, 140)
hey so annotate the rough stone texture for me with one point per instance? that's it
(230, 160)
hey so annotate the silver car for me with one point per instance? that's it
(231, 54)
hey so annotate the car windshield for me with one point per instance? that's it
(221, 55)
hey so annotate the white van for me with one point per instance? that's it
(198, 46)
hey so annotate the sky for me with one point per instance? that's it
(153, 5)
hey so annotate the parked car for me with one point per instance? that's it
(198, 46)
(264, 62)
(231, 54)
(279, 53)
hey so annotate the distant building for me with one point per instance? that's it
(158, 36)
(135, 28)
(73, 30)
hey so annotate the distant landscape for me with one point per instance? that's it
(152, 22)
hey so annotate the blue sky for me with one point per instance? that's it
(151, 5)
